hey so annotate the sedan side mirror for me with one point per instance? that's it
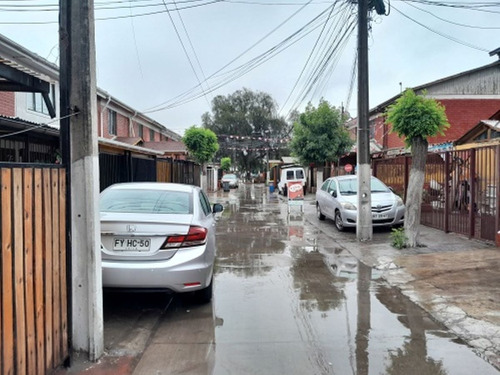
(217, 208)
(334, 193)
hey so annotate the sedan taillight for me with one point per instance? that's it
(196, 236)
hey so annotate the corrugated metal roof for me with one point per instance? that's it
(126, 146)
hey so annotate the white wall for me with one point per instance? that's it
(24, 113)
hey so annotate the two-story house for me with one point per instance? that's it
(29, 120)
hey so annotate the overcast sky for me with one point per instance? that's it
(142, 62)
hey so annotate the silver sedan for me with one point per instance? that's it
(158, 236)
(337, 200)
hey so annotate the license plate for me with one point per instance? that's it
(132, 244)
(380, 216)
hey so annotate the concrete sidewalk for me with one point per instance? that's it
(455, 279)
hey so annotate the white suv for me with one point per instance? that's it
(291, 174)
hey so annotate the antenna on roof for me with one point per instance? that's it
(495, 52)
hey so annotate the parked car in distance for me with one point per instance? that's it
(289, 174)
(337, 199)
(230, 179)
(158, 236)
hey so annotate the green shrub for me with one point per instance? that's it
(398, 238)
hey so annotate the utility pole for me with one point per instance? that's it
(364, 229)
(80, 152)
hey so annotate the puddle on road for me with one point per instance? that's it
(292, 302)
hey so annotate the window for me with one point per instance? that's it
(141, 131)
(324, 187)
(37, 104)
(205, 204)
(332, 187)
(151, 135)
(111, 122)
(147, 201)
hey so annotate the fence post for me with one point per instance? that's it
(472, 187)
(446, 191)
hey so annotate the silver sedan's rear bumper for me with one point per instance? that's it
(189, 270)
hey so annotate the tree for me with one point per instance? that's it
(415, 118)
(319, 136)
(225, 164)
(248, 114)
(201, 143)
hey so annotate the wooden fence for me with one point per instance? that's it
(33, 285)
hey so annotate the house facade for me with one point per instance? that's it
(468, 98)
(38, 113)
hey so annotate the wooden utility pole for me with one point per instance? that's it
(80, 151)
(364, 229)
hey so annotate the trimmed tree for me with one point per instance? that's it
(415, 118)
(202, 145)
(319, 135)
(225, 164)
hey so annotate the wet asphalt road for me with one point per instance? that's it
(288, 300)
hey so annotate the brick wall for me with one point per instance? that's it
(7, 103)
(122, 126)
(463, 115)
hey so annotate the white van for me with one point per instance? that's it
(289, 174)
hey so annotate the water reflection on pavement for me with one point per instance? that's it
(289, 301)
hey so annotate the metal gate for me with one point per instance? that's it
(460, 189)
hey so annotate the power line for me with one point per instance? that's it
(308, 58)
(231, 75)
(232, 61)
(453, 39)
(194, 51)
(185, 51)
(455, 23)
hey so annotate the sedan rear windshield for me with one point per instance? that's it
(146, 201)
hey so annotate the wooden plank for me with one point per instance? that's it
(39, 280)
(7, 301)
(47, 221)
(28, 270)
(56, 281)
(20, 326)
(62, 248)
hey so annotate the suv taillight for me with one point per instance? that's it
(196, 236)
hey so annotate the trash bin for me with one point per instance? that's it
(225, 185)
(271, 188)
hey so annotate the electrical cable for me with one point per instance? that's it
(440, 33)
(454, 23)
(185, 51)
(243, 69)
(308, 58)
(194, 51)
(233, 60)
